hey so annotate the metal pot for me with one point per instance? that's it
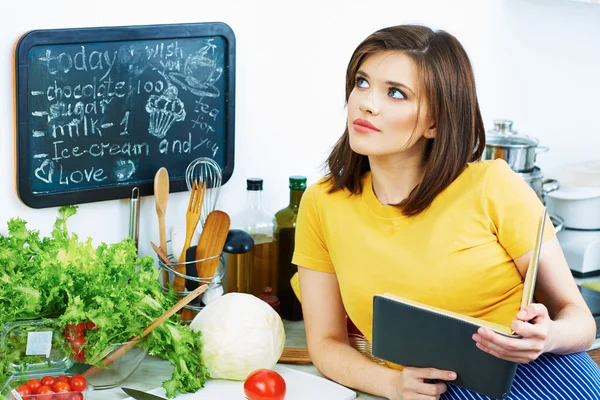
(579, 206)
(541, 186)
(519, 151)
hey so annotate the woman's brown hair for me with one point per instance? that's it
(447, 85)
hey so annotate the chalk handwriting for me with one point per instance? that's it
(64, 62)
(91, 174)
(125, 123)
(96, 93)
(99, 150)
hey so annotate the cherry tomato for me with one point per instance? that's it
(264, 384)
(76, 396)
(34, 385)
(78, 353)
(61, 386)
(78, 383)
(62, 391)
(24, 390)
(63, 378)
(44, 393)
(48, 381)
(74, 331)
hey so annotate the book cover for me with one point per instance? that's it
(414, 334)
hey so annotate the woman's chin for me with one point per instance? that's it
(363, 146)
(366, 149)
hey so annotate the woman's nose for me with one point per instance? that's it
(367, 106)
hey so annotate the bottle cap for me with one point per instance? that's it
(254, 184)
(270, 299)
(298, 182)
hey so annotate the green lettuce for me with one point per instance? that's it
(64, 277)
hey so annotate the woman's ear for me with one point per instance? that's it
(431, 132)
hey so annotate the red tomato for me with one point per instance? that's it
(44, 393)
(78, 383)
(63, 378)
(48, 381)
(78, 353)
(24, 390)
(264, 384)
(76, 396)
(61, 386)
(34, 385)
(74, 331)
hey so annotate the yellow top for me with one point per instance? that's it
(456, 255)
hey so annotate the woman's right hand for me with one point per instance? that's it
(420, 383)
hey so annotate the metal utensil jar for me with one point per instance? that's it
(519, 151)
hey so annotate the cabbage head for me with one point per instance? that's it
(240, 334)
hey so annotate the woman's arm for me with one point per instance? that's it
(573, 327)
(559, 323)
(330, 351)
(327, 337)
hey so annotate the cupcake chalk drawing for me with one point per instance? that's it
(164, 110)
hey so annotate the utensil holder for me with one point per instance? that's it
(215, 283)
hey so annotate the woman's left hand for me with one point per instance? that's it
(533, 324)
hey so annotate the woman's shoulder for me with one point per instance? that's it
(479, 173)
(484, 168)
(320, 190)
(322, 193)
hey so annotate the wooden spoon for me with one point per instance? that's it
(211, 243)
(161, 197)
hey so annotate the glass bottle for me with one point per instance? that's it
(270, 299)
(260, 266)
(285, 231)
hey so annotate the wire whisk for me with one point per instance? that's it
(207, 171)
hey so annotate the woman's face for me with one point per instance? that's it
(383, 116)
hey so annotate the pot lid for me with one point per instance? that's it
(575, 193)
(503, 135)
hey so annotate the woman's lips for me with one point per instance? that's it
(363, 126)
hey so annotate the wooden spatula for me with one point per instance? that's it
(212, 240)
(161, 197)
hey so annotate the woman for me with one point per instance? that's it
(406, 208)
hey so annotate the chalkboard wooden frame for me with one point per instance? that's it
(111, 34)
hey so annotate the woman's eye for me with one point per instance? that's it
(362, 82)
(396, 93)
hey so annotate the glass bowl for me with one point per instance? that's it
(120, 370)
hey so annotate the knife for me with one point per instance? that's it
(139, 395)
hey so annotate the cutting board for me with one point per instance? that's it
(300, 386)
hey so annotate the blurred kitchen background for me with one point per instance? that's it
(536, 64)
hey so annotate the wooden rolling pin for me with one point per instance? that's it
(121, 351)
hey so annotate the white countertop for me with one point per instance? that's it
(153, 370)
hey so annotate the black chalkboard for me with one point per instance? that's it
(100, 110)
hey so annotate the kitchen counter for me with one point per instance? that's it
(153, 370)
